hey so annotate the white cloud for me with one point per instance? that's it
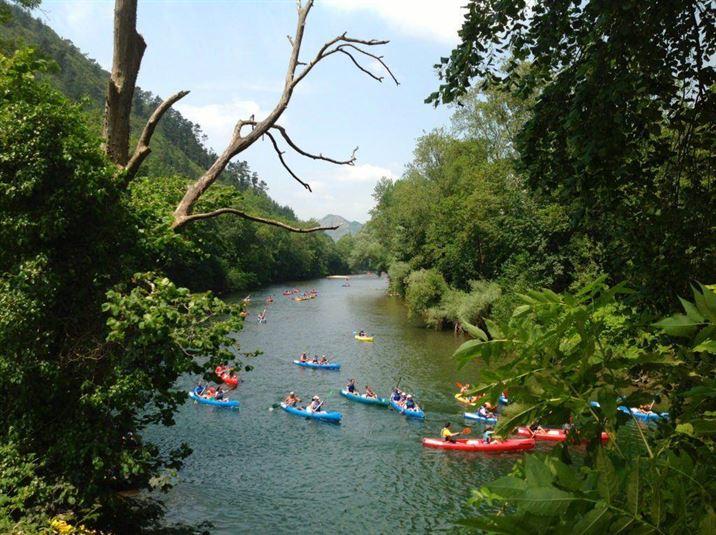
(218, 120)
(432, 19)
(363, 173)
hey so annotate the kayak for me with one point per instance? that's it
(482, 419)
(466, 401)
(644, 416)
(496, 446)
(329, 366)
(225, 376)
(363, 399)
(407, 412)
(550, 435)
(364, 338)
(229, 403)
(324, 416)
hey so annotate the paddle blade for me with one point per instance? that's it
(466, 431)
(459, 385)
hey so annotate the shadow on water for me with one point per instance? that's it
(264, 470)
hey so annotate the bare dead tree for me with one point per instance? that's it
(128, 50)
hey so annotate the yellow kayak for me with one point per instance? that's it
(364, 338)
(466, 401)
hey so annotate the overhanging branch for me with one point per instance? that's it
(244, 215)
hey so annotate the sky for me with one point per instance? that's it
(232, 55)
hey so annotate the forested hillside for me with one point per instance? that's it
(222, 255)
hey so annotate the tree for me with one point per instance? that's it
(128, 50)
(621, 131)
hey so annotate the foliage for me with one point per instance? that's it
(559, 352)
(423, 289)
(621, 133)
(397, 273)
(90, 352)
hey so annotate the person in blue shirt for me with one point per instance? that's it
(410, 404)
(351, 386)
(396, 395)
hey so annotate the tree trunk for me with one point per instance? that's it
(128, 51)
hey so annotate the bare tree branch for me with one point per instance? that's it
(257, 219)
(319, 156)
(239, 142)
(142, 150)
(283, 162)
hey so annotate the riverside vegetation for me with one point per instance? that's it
(582, 165)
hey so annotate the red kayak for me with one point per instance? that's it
(550, 435)
(495, 446)
(225, 375)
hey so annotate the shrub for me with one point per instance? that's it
(397, 273)
(424, 289)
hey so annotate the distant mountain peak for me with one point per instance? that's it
(346, 227)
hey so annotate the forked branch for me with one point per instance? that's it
(238, 143)
(142, 149)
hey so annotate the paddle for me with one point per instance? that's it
(466, 431)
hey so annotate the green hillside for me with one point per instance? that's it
(176, 146)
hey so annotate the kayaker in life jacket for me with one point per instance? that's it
(219, 394)
(315, 359)
(351, 386)
(397, 395)
(482, 411)
(315, 404)
(362, 333)
(303, 357)
(447, 435)
(323, 360)
(487, 435)
(291, 400)
(409, 403)
(369, 392)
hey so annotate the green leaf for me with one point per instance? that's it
(686, 429)
(633, 488)
(607, 480)
(594, 521)
(707, 346)
(691, 311)
(537, 473)
(678, 325)
(545, 501)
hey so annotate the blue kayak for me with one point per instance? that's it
(325, 416)
(329, 366)
(229, 403)
(482, 419)
(407, 412)
(363, 399)
(643, 416)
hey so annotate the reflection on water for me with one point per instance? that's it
(267, 471)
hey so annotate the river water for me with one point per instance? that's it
(265, 471)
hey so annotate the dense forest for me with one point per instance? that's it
(566, 212)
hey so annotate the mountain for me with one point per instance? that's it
(346, 227)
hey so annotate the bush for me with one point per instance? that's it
(397, 273)
(424, 289)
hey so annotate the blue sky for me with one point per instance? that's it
(232, 56)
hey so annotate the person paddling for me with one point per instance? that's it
(315, 404)
(291, 400)
(369, 392)
(351, 386)
(447, 435)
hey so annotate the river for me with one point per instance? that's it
(260, 470)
